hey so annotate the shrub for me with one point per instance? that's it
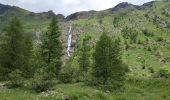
(109, 70)
(151, 70)
(68, 74)
(162, 74)
(15, 79)
(147, 33)
(42, 80)
(160, 39)
(129, 33)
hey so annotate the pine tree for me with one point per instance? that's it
(28, 55)
(108, 70)
(84, 60)
(51, 49)
(14, 49)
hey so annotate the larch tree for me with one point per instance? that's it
(15, 54)
(84, 60)
(108, 70)
(51, 49)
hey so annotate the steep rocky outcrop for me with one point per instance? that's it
(46, 15)
(4, 8)
(81, 15)
(148, 4)
(78, 15)
(123, 5)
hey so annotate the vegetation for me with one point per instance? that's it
(140, 89)
(50, 59)
(15, 79)
(108, 67)
(42, 81)
(84, 60)
(130, 61)
(51, 49)
(15, 49)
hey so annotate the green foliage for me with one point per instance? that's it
(151, 70)
(84, 60)
(116, 21)
(51, 48)
(129, 33)
(51, 45)
(16, 79)
(28, 68)
(42, 80)
(134, 56)
(15, 49)
(43, 77)
(162, 74)
(160, 39)
(164, 12)
(147, 33)
(108, 69)
(68, 75)
(11, 48)
(136, 89)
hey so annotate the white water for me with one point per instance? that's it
(69, 41)
(38, 35)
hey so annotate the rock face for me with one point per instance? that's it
(4, 8)
(81, 15)
(148, 4)
(46, 15)
(122, 6)
(91, 14)
(61, 17)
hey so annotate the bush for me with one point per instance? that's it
(147, 33)
(151, 70)
(112, 84)
(68, 75)
(15, 79)
(3, 72)
(160, 39)
(162, 74)
(42, 80)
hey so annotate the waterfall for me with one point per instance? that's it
(38, 35)
(69, 41)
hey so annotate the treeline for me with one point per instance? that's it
(21, 62)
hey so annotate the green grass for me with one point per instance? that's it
(135, 89)
(136, 57)
(129, 17)
(17, 94)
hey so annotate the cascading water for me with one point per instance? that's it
(38, 35)
(69, 41)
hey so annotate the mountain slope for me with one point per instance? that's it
(144, 31)
(32, 20)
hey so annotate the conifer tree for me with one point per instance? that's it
(28, 56)
(52, 47)
(108, 70)
(84, 60)
(14, 49)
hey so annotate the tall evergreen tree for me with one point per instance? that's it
(52, 47)
(28, 55)
(84, 60)
(14, 49)
(108, 69)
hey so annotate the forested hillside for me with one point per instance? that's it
(121, 53)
